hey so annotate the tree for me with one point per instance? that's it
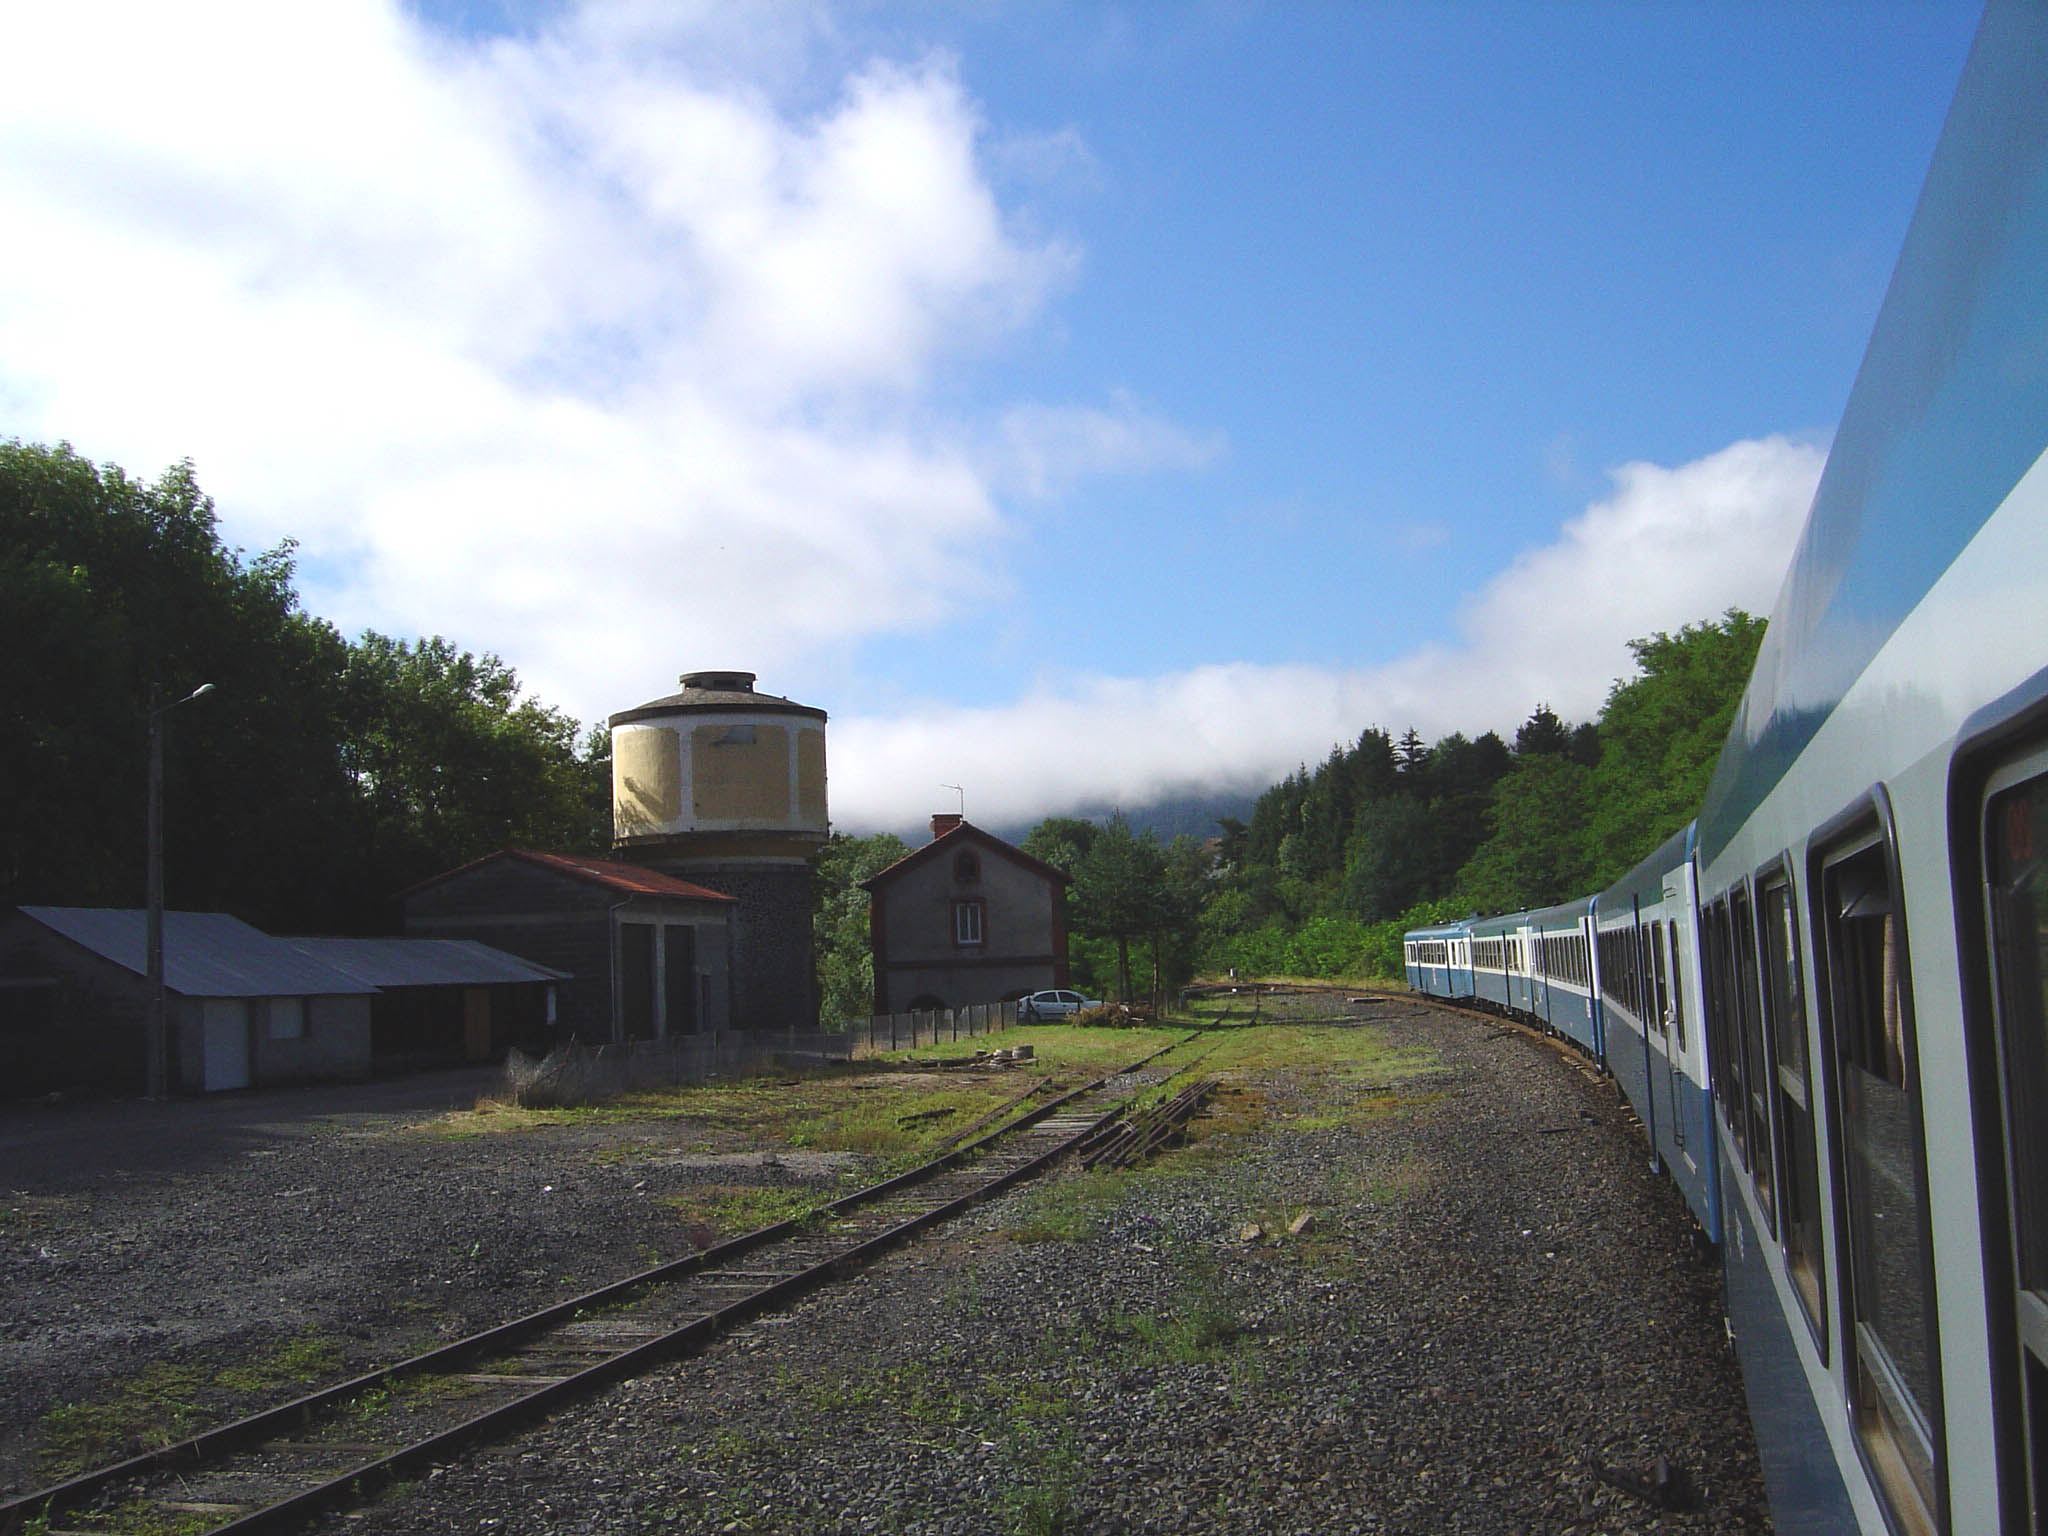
(313, 782)
(1661, 734)
(1061, 841)
(1539, 852)
(450, 761)
(115, 595)
(1542, 733)
(841, 938)
(1119, 891)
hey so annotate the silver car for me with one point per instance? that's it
(1056, 1004)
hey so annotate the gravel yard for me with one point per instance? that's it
(1494, 1319)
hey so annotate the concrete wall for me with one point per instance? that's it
(917, 952)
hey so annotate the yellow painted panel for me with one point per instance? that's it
(739, 773)
(810, 778)
(647, 781)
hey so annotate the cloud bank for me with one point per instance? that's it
(1667, 548)
(598, 347)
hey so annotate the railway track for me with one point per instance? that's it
(275, 1470)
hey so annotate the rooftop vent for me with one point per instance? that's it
(720, 682)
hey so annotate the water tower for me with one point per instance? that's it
(724, 786)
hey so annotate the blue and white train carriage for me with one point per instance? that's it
(1653, 1033)
(1850, 956)
(1438, 960)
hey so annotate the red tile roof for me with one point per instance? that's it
(632, 879)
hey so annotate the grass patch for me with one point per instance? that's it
(857, 1107)
(303, 1362)
(730, 1209)
(160, 1406)
(168, 1402)
(139, 1517)
(1070, 1209)
(1203, 1332)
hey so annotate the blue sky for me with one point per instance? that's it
(1081, 403)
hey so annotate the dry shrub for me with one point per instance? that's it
(570, 1076)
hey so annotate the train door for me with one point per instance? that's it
(2015, 831)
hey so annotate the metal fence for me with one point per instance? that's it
(907, 1031)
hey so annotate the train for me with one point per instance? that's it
(1826, 997)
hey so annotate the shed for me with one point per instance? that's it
(644, 954)
(242, 1008)
(445, 1000)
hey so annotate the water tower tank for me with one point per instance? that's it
(725, 786)
(719, 766)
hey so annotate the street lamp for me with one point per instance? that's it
(155, 1036)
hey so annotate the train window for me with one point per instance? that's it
(1785, 1017)
(1657, 974)
(2016, 838)
(1726, 1061)
(1888, 1261)
(1678, 983)
(1756, 1067)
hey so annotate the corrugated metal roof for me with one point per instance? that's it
(206, 954)
(424, 962)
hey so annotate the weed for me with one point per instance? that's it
(734, 1208)
(156, 1408)
(1070, 1209)
(1202, 1334)
(1046, 1468)
(139, 1517)
(300, 1362)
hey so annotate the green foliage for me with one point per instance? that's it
(1540, 851)
(1424, 832)
(1061, 841)
(840, 934)
(1661, 734)
(1131, 895)
(317, 777)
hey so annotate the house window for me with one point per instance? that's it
(966, 865)
(287, 1017)
(969, 922)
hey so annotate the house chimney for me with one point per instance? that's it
(944, 822)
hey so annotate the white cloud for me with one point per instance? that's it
(607, 341)
(1669, 547)
(1041, 450)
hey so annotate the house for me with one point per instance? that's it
(242, 1008)
(441, 1001)
(968, 918)
(641, 954)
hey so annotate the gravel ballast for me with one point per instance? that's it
(1492, 1319)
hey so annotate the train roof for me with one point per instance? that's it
(1949, 410)
(1456, 930)
(1646, 881)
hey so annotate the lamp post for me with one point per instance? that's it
(155, 1036)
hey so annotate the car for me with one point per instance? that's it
(1055, 1004)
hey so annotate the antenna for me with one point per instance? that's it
(963, 798)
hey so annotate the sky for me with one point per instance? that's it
(1085, 404)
